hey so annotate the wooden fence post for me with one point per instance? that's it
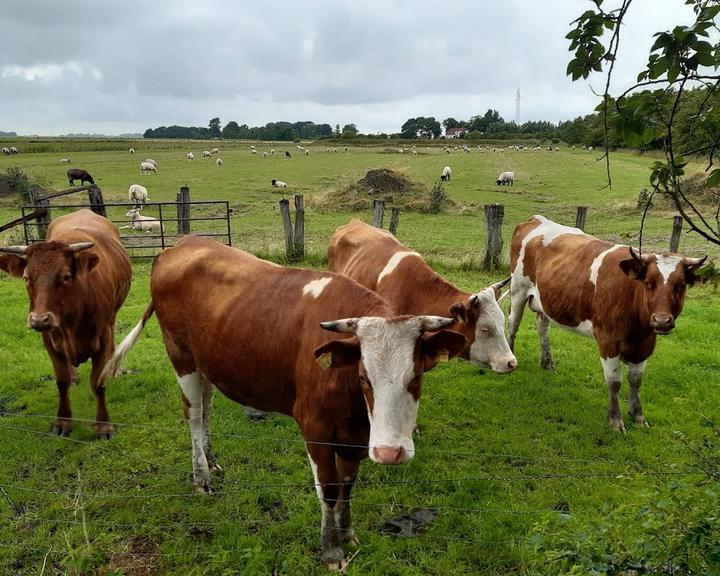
(378, 213)
(580, 217)
(299, 236)
(394, 220)
(287, 224)
(97, 204)
(43, 219)
(676, 230)
(494, 214)
(183, 210)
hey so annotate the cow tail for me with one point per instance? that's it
(112, 368)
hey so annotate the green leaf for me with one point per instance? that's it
(714, 178)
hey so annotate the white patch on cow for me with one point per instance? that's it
(192, 388)
(635, 371)
(667, 264)
(549, 230)
(595, 266)
(395, 259)
(316, 287)
(490, 347)
(387, 351)
(611, 369)
(585, 328)
(318, 487)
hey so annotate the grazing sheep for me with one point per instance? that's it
(287, 154)
(573, 147)
(334, 149)
(148, 167)
(400, 151)
(138, 195)
(272, 151)
(144, 223)
(265, 154)
(215, 151)
(446, 173)
(6, 151)
(206, 154)
(307, 152)
(219, 161)
(557, 149)
(64, 160)
(13, 150)
(414, 151)
(151, 161)
(132, 150)
(589, 148)
(79, 174)
(253, 151)
(278, 183)
(299, 147)
(190, 156)
(506, 178)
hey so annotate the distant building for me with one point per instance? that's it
(455, 132)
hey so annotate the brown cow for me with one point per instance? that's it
(76, 279)
(254, 329)
(378, 261)
(598, 289)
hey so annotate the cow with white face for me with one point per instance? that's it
(374, 258)
(350, 396)
(598, 289)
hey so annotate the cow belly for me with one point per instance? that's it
(584, 328)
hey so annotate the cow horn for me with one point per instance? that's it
(346, 325)
(434, 322)
(638, 256)
(13, 249)
(80, 246)
(692, 263)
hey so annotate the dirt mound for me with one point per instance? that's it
(390, 186)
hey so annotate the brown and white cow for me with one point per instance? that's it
(254, 329)
(375, 259)
(598, 289)
(76, 279)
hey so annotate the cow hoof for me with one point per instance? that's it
(203, 488)
(334, 559)
(547, 365)
(61, 429)
(617, 425)
(105, 431)
(640, 421)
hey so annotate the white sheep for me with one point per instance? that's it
(446, 173)
(215, 151)
(506, 178)
(206, 154)
(6, 151)
(252, 146)
(148, 167)
(299, 147)
(278, 183)
(589, 148)
(64, 160)
(307, 152)
(132, 150)
(400, 151)
(272, 151)
(143, 223)
(151, 161)
(13, 150)
(190, 156)
(253, 151)
(219, 161)
(138, 195)
(265, 154)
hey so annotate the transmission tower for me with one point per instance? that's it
(517, 106)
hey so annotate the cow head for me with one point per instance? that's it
(480, 318)
(391, 355)
(49, 270)
(665, 278)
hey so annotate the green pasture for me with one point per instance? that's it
(511, 463)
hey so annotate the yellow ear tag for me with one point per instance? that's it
(442, 356)
(325, 360)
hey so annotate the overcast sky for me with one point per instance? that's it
(124, 66)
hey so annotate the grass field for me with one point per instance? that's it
(511, 463)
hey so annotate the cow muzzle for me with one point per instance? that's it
(41, 322)
(390, 455)
(662, 323)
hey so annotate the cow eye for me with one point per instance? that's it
(65, 278)
(485, 330)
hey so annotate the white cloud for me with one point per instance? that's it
(50, 72)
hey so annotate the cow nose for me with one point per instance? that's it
(40, 322)
(389, 454)
(512, 364)
(662, 321)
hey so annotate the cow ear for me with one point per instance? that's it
(440, 347)
(635, 267)
(459, 313)
(86, 261)
(13, 264)
(337, 353)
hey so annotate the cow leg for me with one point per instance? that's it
(322, 462)
(518, 298)
(192, 391)
(64, 374)
(103, 426)
(347, 472)
(635, 374)
(613, 379)
(543, 329)
(208, 391)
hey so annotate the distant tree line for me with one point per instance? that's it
(8, 134)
